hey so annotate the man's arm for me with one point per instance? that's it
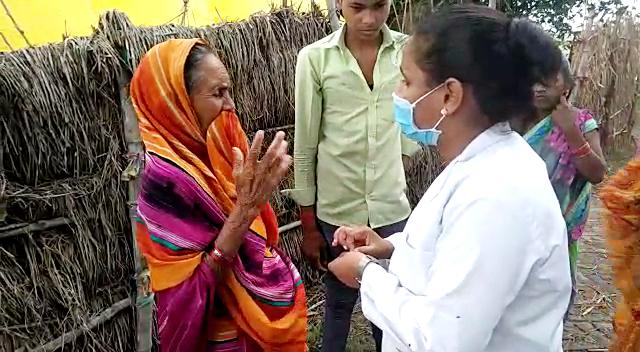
(308, 114)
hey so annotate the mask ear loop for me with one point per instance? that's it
(444, 114)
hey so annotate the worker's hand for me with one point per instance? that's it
(345, 268)
(364, 240)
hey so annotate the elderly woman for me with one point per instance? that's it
(205, 227)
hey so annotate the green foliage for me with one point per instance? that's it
(553, 15)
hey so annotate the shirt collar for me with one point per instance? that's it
(338, 38)
(487, 138)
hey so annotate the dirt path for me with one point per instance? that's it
(589, 327)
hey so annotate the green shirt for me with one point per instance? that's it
(348, 148)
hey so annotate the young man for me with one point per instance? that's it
(348, 149)
(567, 139)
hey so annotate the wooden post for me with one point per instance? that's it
(185, 10)
(493, 4)
(333, 14)
(144, 296)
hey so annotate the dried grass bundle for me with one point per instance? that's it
(610, 84)
(260, 54)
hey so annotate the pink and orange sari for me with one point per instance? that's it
(187, 191)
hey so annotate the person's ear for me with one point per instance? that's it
(453, 95)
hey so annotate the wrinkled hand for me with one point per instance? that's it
(314, 248)
(364, 240)
(345, 268)
(256, 179)
(563, 115)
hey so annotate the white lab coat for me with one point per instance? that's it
(482, 264)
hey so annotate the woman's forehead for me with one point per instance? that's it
(213, 69)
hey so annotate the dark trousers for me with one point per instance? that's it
(340, 299)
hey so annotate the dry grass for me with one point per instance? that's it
(260, 54)
(611, 86)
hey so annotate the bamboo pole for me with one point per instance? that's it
(144, 296)
(333, 14)
(185, 9)
(289, 227)
(15, 23)
(72, 335)
(25, 229)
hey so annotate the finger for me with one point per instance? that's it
(274, 149)
(350, 243)
(368, 250)
(346, 239)
(256, 146)
(337, 236)
(238, 162)
(277, 174)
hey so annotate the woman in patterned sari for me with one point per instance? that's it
(205, 227)
(567, 139)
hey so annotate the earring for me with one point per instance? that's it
(443, 112)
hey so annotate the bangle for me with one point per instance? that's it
(583, 150)
(218, 256)
(582, 154)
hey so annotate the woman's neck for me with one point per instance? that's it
(451, 146)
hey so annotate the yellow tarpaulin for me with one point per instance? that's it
(47, 21)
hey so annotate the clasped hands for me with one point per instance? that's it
(358, 242)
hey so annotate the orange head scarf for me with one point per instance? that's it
(170, 128)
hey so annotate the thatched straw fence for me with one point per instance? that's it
(70, 160)
(605, 59)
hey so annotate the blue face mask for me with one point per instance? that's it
(403, 111)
